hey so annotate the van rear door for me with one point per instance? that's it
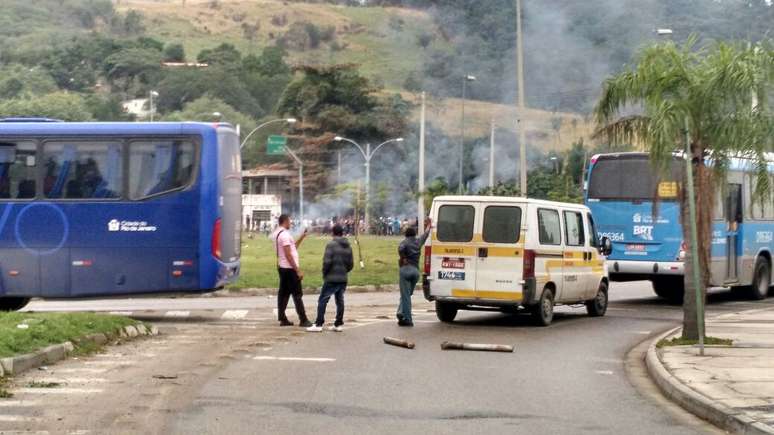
(453, 259)
(500, 257)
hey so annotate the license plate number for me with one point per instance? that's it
(451, 276)
(453, 263)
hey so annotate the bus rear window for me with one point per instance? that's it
(632, 178)
(455, 223)
(159, 166)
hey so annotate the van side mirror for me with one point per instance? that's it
(606, 246)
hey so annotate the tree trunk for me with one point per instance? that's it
(705, 197)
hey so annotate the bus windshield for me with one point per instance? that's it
(632, 177)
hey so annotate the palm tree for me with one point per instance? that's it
(711, 99)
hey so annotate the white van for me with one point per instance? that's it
(504, 253)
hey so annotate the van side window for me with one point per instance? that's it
(455, 223)
(593, 237)
(17, 170)
(502, 224)
(549, 227)
(573, 229)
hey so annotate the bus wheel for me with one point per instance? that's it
(543, 312)
(671, 288)
(761, 280)
(597, 307)
(13, 303)
(445, 311)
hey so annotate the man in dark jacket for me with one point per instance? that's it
(337, 263)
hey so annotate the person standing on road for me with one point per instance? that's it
(409, 251)
(290, 274)
(337, 263)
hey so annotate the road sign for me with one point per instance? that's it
(275, 145)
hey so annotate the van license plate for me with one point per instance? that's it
(451, 276)
(453, 263)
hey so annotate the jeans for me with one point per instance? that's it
(290, 285)
(329, 289)
(409, 275)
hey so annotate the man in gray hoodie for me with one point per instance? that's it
(337, 263)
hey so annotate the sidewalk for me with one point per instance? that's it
(733, 387)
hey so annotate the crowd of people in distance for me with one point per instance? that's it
(380, 226)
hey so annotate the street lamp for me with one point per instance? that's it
(151, 107)
(466, 79)
(367, 155)
(288, 120)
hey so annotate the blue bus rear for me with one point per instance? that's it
(96, 209)
(647, 235)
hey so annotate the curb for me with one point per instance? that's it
(694, 402)
(57, 352)
(377, 288)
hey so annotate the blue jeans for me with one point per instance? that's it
(331, 289)
(409, 276)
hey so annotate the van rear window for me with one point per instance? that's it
(502, 224)
(455, 223)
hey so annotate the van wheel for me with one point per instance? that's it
(671, 288)
(597, 307)
(543, 312)
(761, 280)
(445, 311)
(13, 303)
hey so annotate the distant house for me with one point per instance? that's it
(137, 107)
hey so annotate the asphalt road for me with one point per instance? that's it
(568, 378)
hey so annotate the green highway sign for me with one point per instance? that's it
(275, 145)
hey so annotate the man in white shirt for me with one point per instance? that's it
(290, 274)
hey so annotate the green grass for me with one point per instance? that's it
(259, 264)
(680, 341)
(51, 328)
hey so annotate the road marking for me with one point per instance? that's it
(234, 314)
(71, 380)
(110, 362)
(641, 332)
(26, 432)
(17, 418)
(604, 372)
(177, 314)
(120, 313)
(78, 370)
(289, 358)
(17, 403)
(58, 390)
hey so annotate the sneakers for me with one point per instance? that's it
(305, 324)
(335, 328)
(314, 328)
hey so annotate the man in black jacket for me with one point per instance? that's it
(337, 263)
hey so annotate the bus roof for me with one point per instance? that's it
(505, 200)
(740, 163)
(107, 128)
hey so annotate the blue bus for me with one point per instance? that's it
(620, 191)
(97, 209)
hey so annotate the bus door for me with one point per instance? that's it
(453, 257)
(733, 212)
(500, 258)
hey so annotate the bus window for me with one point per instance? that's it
(573, 229)
(82, 170)
(17, 170)
(502, 224)
(550, 232)
(160, 166)
(455, 223)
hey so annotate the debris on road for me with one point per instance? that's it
(164, 377)
(446, 345)
(398, 342)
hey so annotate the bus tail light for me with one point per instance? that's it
(529, 264)
(428, 259)
(216, 238)
(683, 250)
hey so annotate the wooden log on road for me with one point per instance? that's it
(398, 342)
(446, 345)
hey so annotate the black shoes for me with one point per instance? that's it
(305, 324)
(286, 323)
(402, 322)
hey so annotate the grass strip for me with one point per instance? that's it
(680, 341)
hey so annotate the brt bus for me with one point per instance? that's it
(620, 190)
(98, 209)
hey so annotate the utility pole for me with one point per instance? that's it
(521, 120)
(421, 178)
(491, 155)
(338, 168)
(151, 106)
(368, 187)
(465, 80)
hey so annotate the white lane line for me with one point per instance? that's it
(71, 380)
(17, 403)
(110, 362)
(177, 314)
(17, 418)
(121, 313)
(234, 314)
(289, 358)
(641, 332)
(79, 370)
(604, 372)
(57, 391)
(25, 432)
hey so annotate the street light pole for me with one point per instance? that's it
(288, 120)
(491, 155)
(465, 80)
(368, 154)
(521, 121)
(421, 180)
(151, 107)
(300, 183)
